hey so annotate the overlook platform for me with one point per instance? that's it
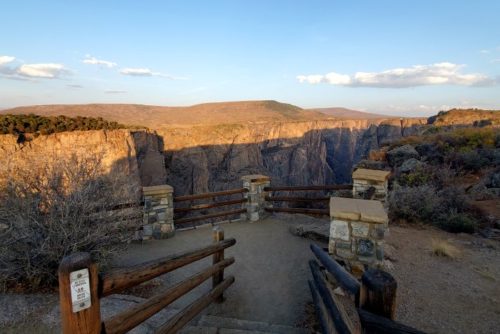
(271, 270)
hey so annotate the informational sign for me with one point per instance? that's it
(80, 289)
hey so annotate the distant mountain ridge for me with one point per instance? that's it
(200, 114)
(345, 113)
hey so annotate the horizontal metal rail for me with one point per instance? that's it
(296, 199)
(299, 210)
(210, 205)
(210, 195)
(307, 188)
(212, 215)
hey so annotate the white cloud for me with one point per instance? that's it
(139, 72)
(485, 52)
(115, 91)
(47, 71)
(146, 72)
(94, 61)
(6, 59)
(417, 75)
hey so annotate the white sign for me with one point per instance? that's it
(80, 289)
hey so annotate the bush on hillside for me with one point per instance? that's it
(50, 210)
(21, 124)
(446, 208)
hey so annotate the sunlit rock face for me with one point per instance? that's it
(209, 158)
(202, 158)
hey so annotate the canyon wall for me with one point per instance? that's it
(210, 158)
(108, 152)
(196, 159)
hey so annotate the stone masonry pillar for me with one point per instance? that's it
(357, 232)
(158, 219)
(256, 194)
(370, 184)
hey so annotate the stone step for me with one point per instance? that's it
(199, 330)
(215, 330)
(246, 326)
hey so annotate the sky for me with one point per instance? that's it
(409, 58)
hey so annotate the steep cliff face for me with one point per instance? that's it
(197, 159)
(121, 153)
(208, 158)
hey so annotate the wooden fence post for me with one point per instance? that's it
(378, 293)
(78, 294)
(218, 235)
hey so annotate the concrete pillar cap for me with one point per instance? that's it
(157, 190)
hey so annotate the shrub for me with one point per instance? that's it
(446, 209)
(457, 222)
(53, 209)
(416, 204)
(471, 161)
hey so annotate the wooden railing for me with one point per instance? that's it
(373, 300)
(205, 206)
(302, 199)
(81, 288)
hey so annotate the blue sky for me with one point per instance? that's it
(393, 57)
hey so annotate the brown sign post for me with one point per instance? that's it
(78, 294)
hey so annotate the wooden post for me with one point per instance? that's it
(378, 293)
(218, 235)
(78, 294)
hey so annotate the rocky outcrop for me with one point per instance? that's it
(120, 153)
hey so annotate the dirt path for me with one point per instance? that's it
(271, 270)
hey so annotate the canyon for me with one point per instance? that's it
(210, 157)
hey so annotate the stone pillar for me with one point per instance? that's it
(357, 232)
(256, 196)
(158, 220)
(370, 184)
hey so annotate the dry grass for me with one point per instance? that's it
(486, 273)
(444, 249)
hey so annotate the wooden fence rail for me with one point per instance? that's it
(180, 211)
(81, 288)
(324, 212)
(308, 200)
(209, 195)
(119, 279)
(210, 205)
(374, 299)
(308, 188)
(296, 199)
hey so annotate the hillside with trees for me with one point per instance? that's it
(44, 125)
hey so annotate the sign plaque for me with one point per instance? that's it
(80, 290)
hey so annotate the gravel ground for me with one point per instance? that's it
(443, 295)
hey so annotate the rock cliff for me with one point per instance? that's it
(208, 158)
(204, 158)
(115, 151)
